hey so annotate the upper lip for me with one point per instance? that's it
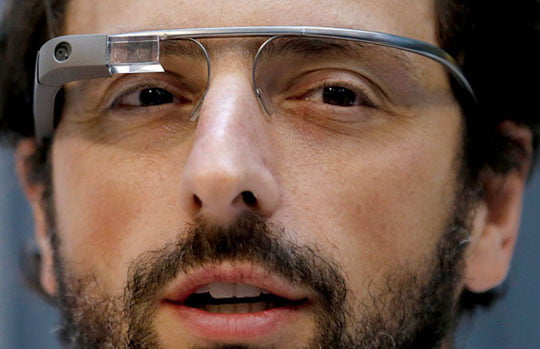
(246, 273)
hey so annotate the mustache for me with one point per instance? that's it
(247, 239)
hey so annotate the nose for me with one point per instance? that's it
(229, 168)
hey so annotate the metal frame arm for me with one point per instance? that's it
(77, 57)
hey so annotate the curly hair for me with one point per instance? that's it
(494, 42)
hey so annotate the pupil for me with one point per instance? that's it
(155, 96)
(340, 96)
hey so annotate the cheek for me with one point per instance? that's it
(104, 203)
(382, 205)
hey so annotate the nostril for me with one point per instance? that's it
(249, 198)
(197, 202)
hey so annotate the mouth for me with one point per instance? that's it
(236, 301)
(236, 298)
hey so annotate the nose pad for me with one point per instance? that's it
(263, 100)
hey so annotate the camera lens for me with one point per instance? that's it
(62, 52)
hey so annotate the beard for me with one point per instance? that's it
(411, 310)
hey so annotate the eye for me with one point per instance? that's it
(145, 97)
(155, 96)
(339, 96)
(329, 95)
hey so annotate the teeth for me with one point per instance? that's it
(229, 290)
(203, 289)
(221, 290)
(243, 308)
(243, 290)
(213, 308)
(259, 306)
(236, 308)
(227, 308)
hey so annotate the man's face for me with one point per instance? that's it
(364, 203)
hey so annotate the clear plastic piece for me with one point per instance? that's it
(134, 55)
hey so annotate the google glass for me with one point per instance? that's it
(291, 63)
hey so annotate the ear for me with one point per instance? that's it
(497, 219)
(34, 193)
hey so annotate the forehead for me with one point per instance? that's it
(413, 19)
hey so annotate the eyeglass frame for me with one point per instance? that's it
(70, 58)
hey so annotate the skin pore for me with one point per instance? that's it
(375, 197)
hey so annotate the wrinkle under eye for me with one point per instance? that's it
(155, 96)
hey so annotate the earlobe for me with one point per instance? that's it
(34, 193)
(497, 221)
(496, 232)
(43, 239)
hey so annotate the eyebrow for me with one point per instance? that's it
(352, 49)
(302, 46)
(181, 47)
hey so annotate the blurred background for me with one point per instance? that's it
(27, 322)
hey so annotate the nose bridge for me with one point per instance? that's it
(226, 131)
(228, 170)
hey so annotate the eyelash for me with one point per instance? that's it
(360, 92)
(128, 84)
(116, 102)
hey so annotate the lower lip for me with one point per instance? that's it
(220, 326)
